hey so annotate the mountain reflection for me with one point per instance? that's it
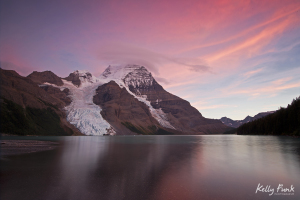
(79, 158)
(118, 167)
(155, 167)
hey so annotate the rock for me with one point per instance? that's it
(62, 95)
(46, 76)
(124, 112)
(74, 78)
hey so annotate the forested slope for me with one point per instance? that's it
(285, 121)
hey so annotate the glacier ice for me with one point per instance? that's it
(82, 112)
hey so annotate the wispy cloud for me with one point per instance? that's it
(117, 53)
(212, 106)
(281, 13)
(271, 89)
(251, 73)
(256, 42)
(162, 80)
(203, 105)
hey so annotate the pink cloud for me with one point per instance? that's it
(190, 23)
(256, 42)
(270, 90)
(251, 73)
(281, 13)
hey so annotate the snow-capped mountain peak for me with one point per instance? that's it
(82, 78)
(133, 78)
(130, 75)
(85, 77)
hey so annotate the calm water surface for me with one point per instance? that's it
(154, 167)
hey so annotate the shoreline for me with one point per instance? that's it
(17, 147)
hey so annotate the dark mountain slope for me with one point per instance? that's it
(27, 109)
(125, 113)
(285, 121)
(178, 112)
(46, 76)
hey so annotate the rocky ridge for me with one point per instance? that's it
(237, 123)
(28, 109)
(81, 78)
(46, 76)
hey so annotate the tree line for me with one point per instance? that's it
(285, 121)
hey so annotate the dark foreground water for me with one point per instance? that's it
(155, 167)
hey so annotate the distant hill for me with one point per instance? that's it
(236, 123)
(285, 121)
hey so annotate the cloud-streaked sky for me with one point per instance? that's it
(228, 58)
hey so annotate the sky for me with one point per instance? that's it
(227, 58)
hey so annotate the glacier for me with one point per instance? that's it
(86, 116)
(82, 112)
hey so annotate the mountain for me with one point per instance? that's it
(121, 109)
(28, 109)
(285, 121)
(172, 113)
(231, 123)
(122, 100)
(236, 123)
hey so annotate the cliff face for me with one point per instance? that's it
(27, 108)
(125, 113)
(180, 113)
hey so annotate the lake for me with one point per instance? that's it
(155, 167)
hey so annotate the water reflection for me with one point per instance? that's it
(156, 167)
(79, 158)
